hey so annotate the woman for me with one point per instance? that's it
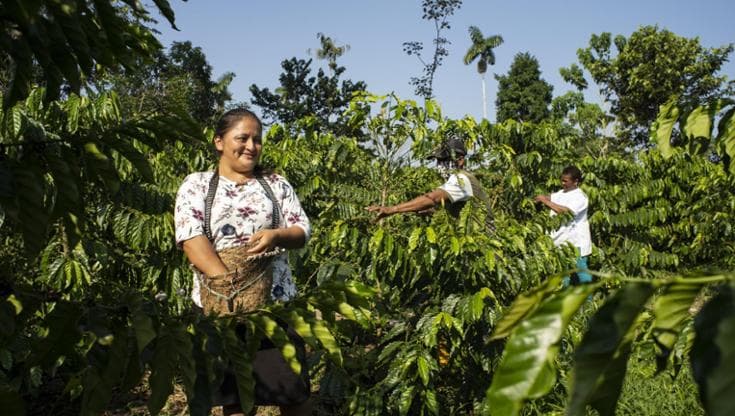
(577, 232)
(242, 211)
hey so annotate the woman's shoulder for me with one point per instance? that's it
(198, 177)
(197, 180)
(275, 178)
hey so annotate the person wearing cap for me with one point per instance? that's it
(459, 187)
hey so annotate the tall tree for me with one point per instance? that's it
(649, 67)
(180, 77)
(438, 12)
(522, 94)
(482, 50)
(301, 94)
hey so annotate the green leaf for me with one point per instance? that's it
(726, 137)
(713, 353)
(375, 241)
(413, 240)
(143, 326)
(661, 129)
(477, 304)
(524, 370)
(277, 335)
(33, 217)
(598, 376)
(320, 331)
(405, 400)
(524, 305)
(430, 235)
(698, 123)
(671, 311)
(241, 357)
(423, 368)
(67, 189)
(163, 370)
(721, 382)
(200, 399)
(101, 167)
(101, 379)
(63, 333)
(430, 402)
(166, 11)
(134, 156)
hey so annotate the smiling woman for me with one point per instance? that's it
(233, 225)
(239, 147)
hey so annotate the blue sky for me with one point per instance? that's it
(251, 38)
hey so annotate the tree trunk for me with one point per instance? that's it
(484, 100)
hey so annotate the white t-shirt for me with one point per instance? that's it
(458, 187)
(576, 231)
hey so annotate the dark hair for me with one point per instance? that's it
(573, 172)
(228, 120)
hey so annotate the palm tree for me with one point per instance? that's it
(482, 50)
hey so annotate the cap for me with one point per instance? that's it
(452, 149)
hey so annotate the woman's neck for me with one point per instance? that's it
(235, 176)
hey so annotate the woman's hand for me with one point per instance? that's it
(264, 240)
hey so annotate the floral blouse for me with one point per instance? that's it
(238, 211)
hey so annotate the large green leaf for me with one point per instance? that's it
(524, 305)
(141, 322)
(713, 353)
(661, 129)
(277, 335)
(241, 356)
(101, 167)
(200, 398)
(33, 215)
(698, 123)
(721, 382)
(163, 370)
(601, 358)
(166, 11)
(726, 137)
(526, 370)
(63, 333)
(104, 374)
(671, 311)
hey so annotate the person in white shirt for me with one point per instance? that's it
(577, 231)
(459, 188)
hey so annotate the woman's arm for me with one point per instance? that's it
(265, 240)
(202, 255)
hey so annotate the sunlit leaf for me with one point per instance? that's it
(525, 370)
(601, 358)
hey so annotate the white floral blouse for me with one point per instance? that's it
(238, 211)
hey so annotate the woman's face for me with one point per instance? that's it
(567, 183)
(241, 145)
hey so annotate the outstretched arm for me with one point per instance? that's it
(420, 203)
